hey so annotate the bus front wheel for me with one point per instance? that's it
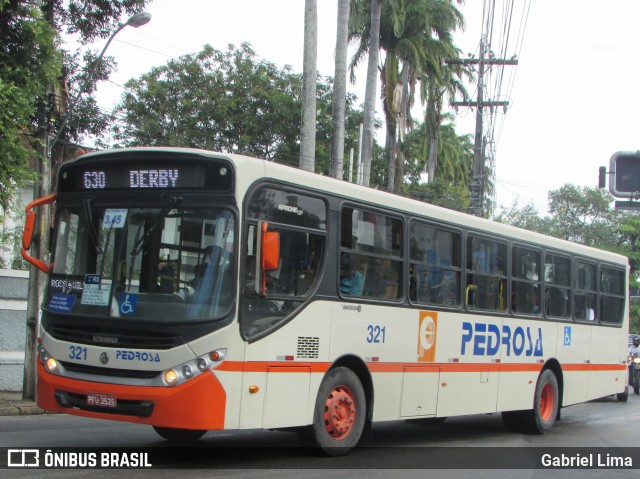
(179, 436)
(339, 414)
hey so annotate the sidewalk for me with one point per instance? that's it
(12, 404)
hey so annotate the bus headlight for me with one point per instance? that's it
(51, 365)
(170, 377)
(189, 370)
(49, 362)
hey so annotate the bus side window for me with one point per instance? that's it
(557, 277)
(486, 278)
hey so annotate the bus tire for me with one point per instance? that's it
(179, 436)
(624, 395)
(545, 404)
(339, 414)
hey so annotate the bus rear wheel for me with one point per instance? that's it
(179, 436)
(339, 414)
(542, 417)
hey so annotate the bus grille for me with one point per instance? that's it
(98, 371)
(308, 348)
(119, 339)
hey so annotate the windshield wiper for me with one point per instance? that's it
(86, 204)
(172, 202)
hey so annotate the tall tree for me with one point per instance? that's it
(227, 101)
(308, 140)
(29, 61)
(416, 36)
(370, 90)
(434, 90)
(583, 215)
(455, 152)
(230, 101)
(340, 90)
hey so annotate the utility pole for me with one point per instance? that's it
(48, 137)
(477, 182)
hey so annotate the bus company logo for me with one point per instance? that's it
(427, 330)
(104, 357)
(139, 356)
(350, 307)
(291, 209)
(23, 458)
(486, 340)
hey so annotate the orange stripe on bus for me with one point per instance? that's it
(594, 367)
(377, 367)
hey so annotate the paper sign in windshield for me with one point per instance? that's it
(115, 218)
(93, 294)
(62, 303)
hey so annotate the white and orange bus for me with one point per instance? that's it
(196, 291)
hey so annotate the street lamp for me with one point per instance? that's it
(136, 20)
(36, 279)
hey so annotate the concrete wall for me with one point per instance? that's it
(14, 286)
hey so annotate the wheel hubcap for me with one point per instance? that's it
(339, 412)
(546, 402)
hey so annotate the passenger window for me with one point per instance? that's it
(585, 291)
(370, 255)
(300, 224)
(557, 293)
(434, 272)
(525, 281)
(486, 274)
(612, 288)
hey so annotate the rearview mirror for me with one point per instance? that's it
(269, 254)
(29, 230)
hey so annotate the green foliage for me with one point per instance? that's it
(440, 193)
(229, 101)
(583, 215)
(455, 156)
(634, 318)
(28, 61)
(526, 218)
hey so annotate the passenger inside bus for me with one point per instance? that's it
(351, 281)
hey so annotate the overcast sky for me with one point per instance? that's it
(573, 100)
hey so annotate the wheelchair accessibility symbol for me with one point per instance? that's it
(128, 303)
(567, 335)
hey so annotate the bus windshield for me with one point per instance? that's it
(168, 263)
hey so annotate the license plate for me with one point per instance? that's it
(101, 400)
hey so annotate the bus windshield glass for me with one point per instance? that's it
(168, 263)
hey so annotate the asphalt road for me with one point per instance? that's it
(471, 446)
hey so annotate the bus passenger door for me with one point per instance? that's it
(419, 391)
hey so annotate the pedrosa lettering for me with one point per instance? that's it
(137, 356)
(486, 340)
(153, 178)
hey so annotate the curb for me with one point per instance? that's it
(20, 410)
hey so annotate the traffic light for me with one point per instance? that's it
(624, 168)
(602, 177)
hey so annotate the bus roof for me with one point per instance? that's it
(257, 168)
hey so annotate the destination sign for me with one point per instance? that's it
(146, 175)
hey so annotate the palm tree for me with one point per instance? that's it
(373, 42)
(434, 89)
(308, 134)
(416, 36)
(340, 90)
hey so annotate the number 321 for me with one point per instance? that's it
(376, 334)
